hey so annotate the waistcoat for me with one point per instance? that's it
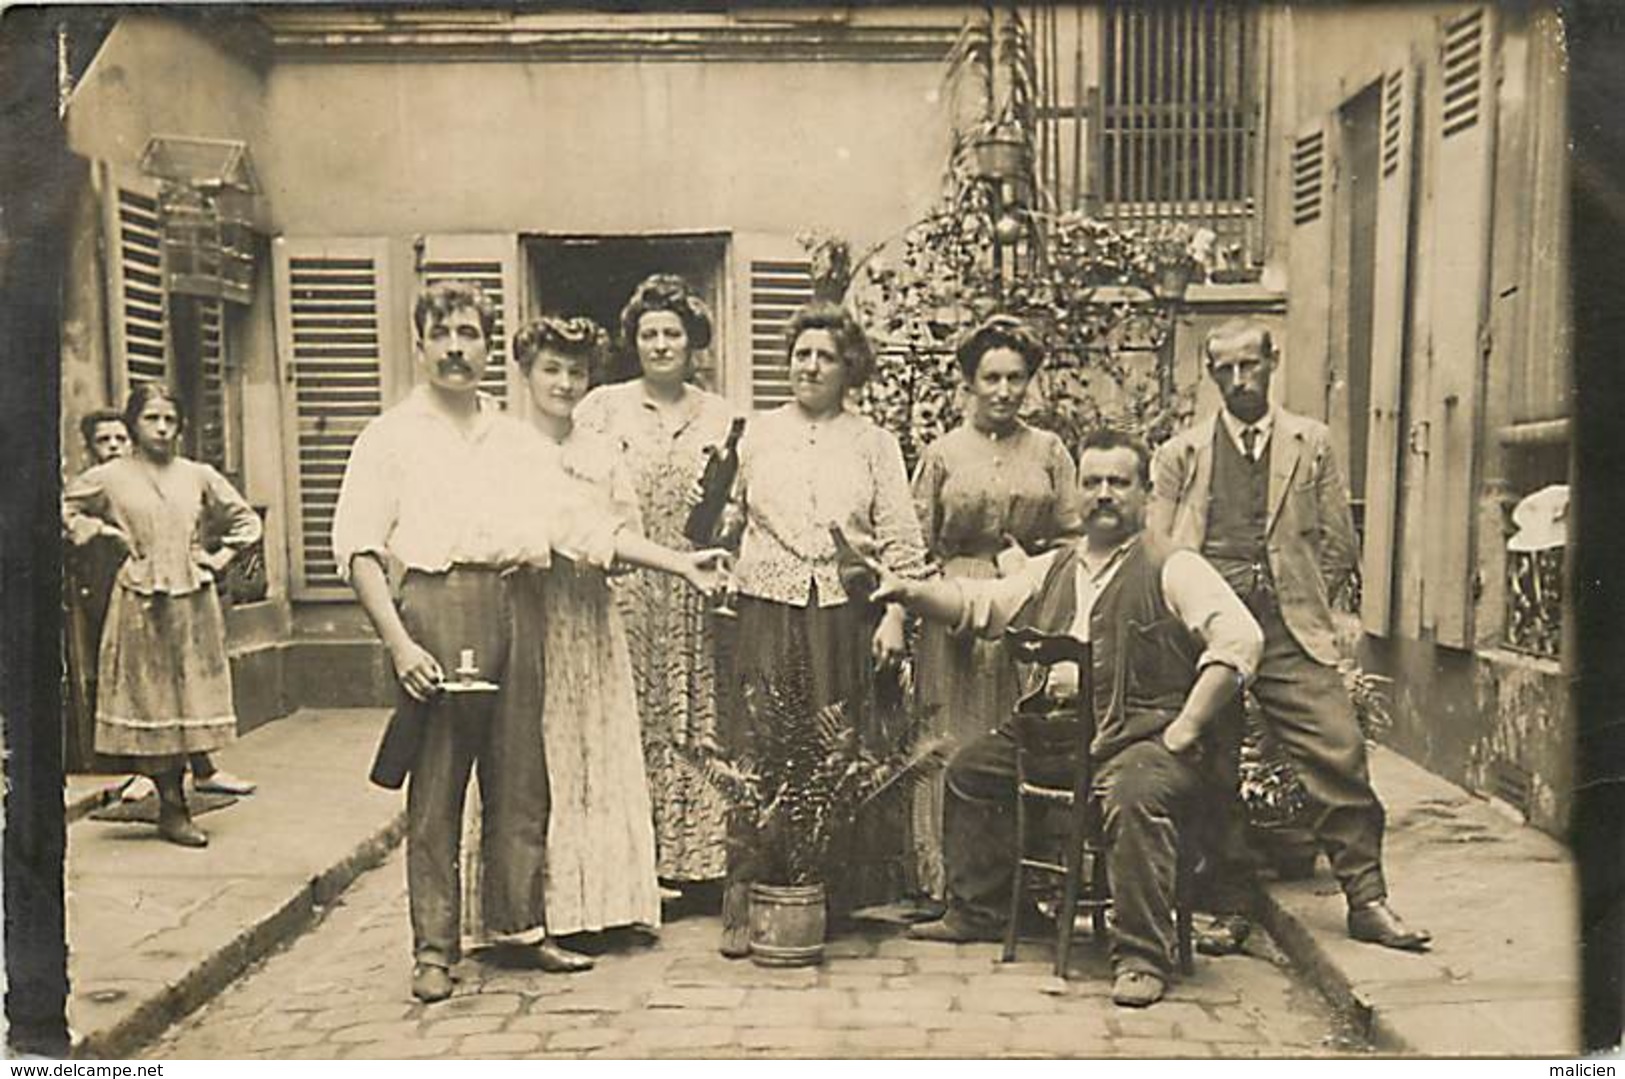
(1144, 659)
(1238, 504)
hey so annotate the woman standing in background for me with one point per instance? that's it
(163, 682)
(991, 486)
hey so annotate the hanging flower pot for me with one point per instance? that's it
(787, 925)
(1001, 157)
(1173, 280)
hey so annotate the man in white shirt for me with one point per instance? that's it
(459, 496)
(1189, 646)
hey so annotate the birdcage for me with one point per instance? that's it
(206, 204)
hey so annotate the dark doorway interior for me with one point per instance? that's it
(595, 276)
(1361, 117)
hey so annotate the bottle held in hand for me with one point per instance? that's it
(716, 484)
(858, 576)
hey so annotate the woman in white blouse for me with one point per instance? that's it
(806, 467)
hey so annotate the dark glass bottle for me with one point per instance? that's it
(716, 484)
(858, 577)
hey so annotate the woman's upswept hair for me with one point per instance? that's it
(142, 394)
(851, 343)
(999, 331)
(666, 292)
(578, 337)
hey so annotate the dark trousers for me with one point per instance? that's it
(1145, 788)
(1307, 708)
(500, 734)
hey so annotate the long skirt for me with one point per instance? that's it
(163, 680)
(970, 685)
(836, 644)
(672, 640)
(600, 833)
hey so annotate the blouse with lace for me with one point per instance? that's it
(797, 477)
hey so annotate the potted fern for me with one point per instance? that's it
(798, 785)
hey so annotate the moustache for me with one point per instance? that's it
(452, 366)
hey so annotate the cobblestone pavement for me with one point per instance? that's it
(341, 991)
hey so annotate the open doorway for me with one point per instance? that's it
(595, 275)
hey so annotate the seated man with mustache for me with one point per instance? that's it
(1190, 646)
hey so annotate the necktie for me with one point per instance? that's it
(1249, 442)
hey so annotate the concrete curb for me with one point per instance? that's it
(1313, 961)
(214, 972)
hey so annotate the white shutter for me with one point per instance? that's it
(772, 280)
(333, 333)
(1303, 376)
(1462, 109)
(1390, 324)
(491, 262)
(137, 316)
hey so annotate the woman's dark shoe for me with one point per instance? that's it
(175, 825)
(550, 957)
(174, 820)
(735, 942)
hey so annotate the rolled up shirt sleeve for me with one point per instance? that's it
(367, 507)
(1208, 608)
(987, 607)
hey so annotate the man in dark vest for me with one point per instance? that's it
(1171, 647)
(1258, 491)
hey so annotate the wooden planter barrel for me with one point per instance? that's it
(787, 925)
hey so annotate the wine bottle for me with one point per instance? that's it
(716, 484)
(858, 577)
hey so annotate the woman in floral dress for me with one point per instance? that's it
(660, 425)
(600, 834)
(163, 676)
(990, 487)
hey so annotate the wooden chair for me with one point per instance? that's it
(1054, 737)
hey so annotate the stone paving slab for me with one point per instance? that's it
(1501, 901)
(342, 991)
(154, 929)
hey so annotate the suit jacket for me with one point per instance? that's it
(1309, 532)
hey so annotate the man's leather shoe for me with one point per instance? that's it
(430, 983)
(1376, 923)
(1137, 989)
(1226, 935)
(553, 959)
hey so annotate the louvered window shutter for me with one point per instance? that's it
(1462, 113)
(1309, 268)
(773, 279)
(137, 314)
(1390, 330)
(213, 444)
(491, 262)
(333, 333)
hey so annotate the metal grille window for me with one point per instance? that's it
(1176, 131)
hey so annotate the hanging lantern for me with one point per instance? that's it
(205, 210)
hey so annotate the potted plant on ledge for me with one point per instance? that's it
(798, 786)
